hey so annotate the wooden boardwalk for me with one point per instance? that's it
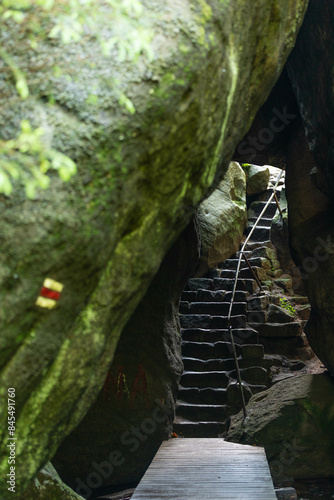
(200, 469)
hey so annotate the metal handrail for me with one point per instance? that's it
(235, 287)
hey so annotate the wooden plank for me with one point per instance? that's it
(194, 469)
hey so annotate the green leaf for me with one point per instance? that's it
(22, 87)
(5, 184)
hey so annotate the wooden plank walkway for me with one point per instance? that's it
(213, 469)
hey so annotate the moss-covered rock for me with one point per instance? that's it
(135, 410)
(47, 485)
(294, 421)
(103, 235)
(222, 219)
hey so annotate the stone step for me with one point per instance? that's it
(246, 285)
(261, 273)
(264, 222)
(285, 346)
(246, 252)
(254, 262)
(228, 273)
(257, 206)
(213, 273)
(206, 350)
(195, 284)
(241, 335)
(260, 233)
(254, 375)
(201, 365)
(220, 295)
(201, 412)
(266, 194)
(199, 429)
(279, 330)
(259, 316)
(213, 308)
(265, 252)
(189, 296)
(205, 379)
(211, 322)
(207, 395)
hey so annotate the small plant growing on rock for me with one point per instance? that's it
(287, 305)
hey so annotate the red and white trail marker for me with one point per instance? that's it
(50, 294)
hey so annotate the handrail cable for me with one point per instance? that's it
(235, 287)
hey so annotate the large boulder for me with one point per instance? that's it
(103, 235)
(47, 485)
(222, 218)
(294, 421)
(257, 179)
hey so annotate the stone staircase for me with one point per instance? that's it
(208, 393)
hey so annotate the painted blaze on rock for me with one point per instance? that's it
(138, 179)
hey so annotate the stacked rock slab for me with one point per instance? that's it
(209, 393)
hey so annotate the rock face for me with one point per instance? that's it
(104, 234)
(138, 397)
(293, 420)
(310, 187)
(222, 219)
(257, 179)
(48, 485)
(304, 102)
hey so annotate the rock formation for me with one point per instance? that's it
(138, 397)
(293, 420)
(222, 219)
(103, 234)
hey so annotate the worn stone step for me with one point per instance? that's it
(254, 375)
(252, 352)
(246, 252)
(221, 322)
(261, 273)
(278, 314)
(254, 262)
(258, 302)
(247, 285)
(241, 335)
(199, 429)
(205, 379)
(201, 412)
(260, 233)
(213, 273)
(265, 252)
(286, 346)
(206, 365)
(252, 245)
(279, 330)
(211, 322)
(264, 222)
(195, 284)
(259, 316)
(266, 194)
(227, 273)
(207, 395)
(220, 295)
(213, 308)
(206, 350)
(188, 296)
(257, 206)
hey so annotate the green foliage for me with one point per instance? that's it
(26, 158)
(287, 305)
